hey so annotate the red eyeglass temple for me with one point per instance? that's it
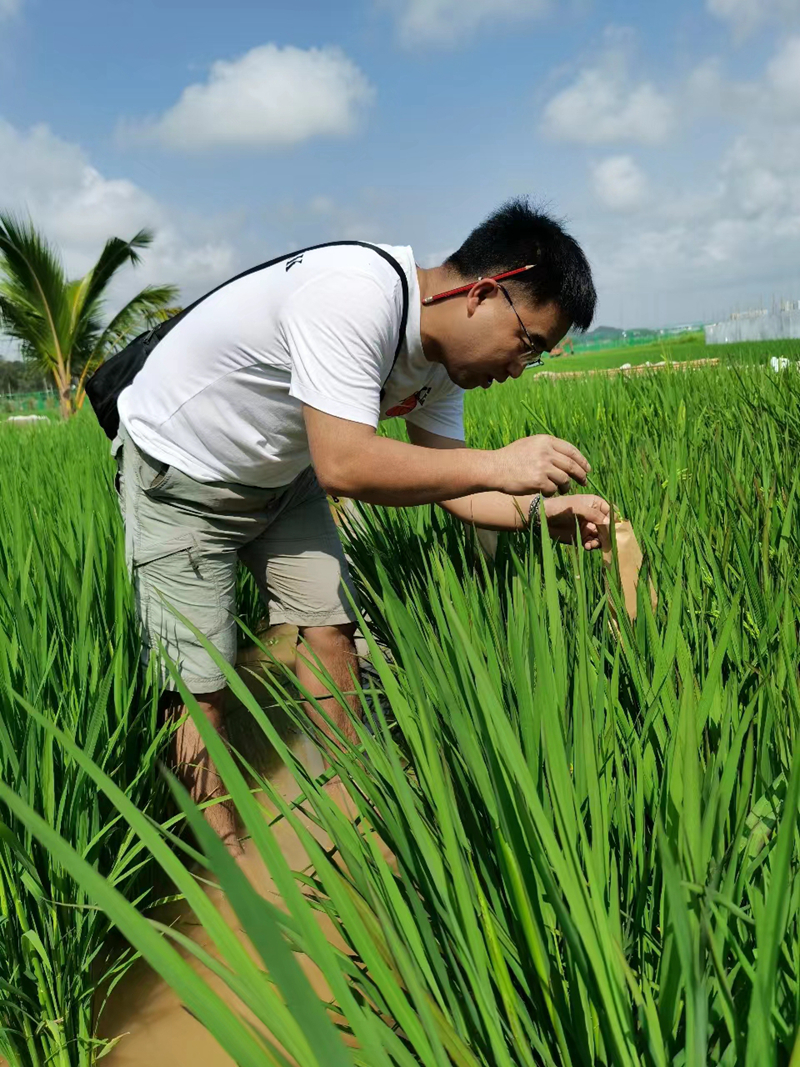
(466, 288)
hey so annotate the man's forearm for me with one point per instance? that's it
(491, 511)
(350, 460)
(402, 475)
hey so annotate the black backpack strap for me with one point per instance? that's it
(163, 328)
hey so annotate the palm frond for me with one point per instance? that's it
(21, 323)
(116, 254)
(58, 322)
(17, 318)
(151, 305)
(34, 280)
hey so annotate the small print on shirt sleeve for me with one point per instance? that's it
(443, 413)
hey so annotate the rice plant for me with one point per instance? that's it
(69, 648)
(593, 826)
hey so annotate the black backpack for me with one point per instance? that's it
(117, 372)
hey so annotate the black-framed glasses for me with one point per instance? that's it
(533, 357)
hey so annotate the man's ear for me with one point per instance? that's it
(482, 290)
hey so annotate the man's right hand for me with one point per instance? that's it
(539, 464)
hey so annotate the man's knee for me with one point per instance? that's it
(332, 640)
(212, 704)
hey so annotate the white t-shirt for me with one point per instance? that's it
(220, 397)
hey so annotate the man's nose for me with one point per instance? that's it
(516, 369)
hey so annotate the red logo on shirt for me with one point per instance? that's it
(408, 405)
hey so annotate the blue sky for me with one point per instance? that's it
(668, 135)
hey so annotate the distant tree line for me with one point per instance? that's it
(22, 376)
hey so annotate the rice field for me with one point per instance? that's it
(577, 839)
(686, 347)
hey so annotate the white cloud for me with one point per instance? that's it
(725, 236)
(708, 93)
(8, 8)
(713, 228)
(783, 79)
(620, 184)
(78, 208)
(775, 98)
(743, 230)
(745, 16)
(603, 106)
(606, 105)
(270, 97)
(322, 218)
(448, 22)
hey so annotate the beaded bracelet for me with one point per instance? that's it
(534, 515)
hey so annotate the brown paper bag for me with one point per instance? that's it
(630, 562)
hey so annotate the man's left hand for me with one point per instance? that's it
(589, 511)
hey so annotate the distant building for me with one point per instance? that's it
(778, 323)
(682, 327)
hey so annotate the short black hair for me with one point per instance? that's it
(517, 234)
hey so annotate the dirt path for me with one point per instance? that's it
(158, 1031)
(640, 368)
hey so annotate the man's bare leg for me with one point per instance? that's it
(197, 771)
(335, 648)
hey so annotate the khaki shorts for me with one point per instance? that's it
(184, 540)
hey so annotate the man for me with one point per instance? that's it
(268, 395)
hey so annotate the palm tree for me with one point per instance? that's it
(61, 323)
